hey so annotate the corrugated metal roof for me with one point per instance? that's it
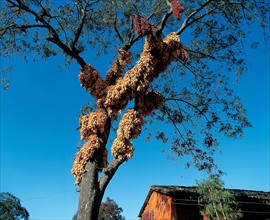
(177, 190)
(180, 192)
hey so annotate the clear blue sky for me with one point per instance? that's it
(39, 138)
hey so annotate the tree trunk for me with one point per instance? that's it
(90, 195)
(92, 189)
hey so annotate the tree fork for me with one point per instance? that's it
(91, 189)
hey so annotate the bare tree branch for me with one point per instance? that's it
(78, 31)
(192, 105)
(201, 53)
(186, 22)
(21, 27)
(108, 174)
(131, 42)
(173, 122)
(163, 21)
(116, 30)
(80, 26)
(54, 38)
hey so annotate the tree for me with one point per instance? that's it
(216, 201)
(154, 76)
(108, 210)
(75, 216)
(11, 209)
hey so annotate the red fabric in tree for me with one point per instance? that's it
(177, 9)
(142, 27)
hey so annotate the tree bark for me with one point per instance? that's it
(92, 190)
(90, 196)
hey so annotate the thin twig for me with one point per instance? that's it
(54, 38)
(190, 104)
(193, 21)
(163, 21)
(186, 22)
(116, 30)
(78, 31)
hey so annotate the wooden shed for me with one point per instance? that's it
(181, 203)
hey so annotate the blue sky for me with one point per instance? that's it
(39, 138)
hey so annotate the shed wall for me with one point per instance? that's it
(186, 212)
(158, 208)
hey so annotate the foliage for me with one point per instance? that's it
(216, 201)
(75, 216)
(11, 209)
(109, 210)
